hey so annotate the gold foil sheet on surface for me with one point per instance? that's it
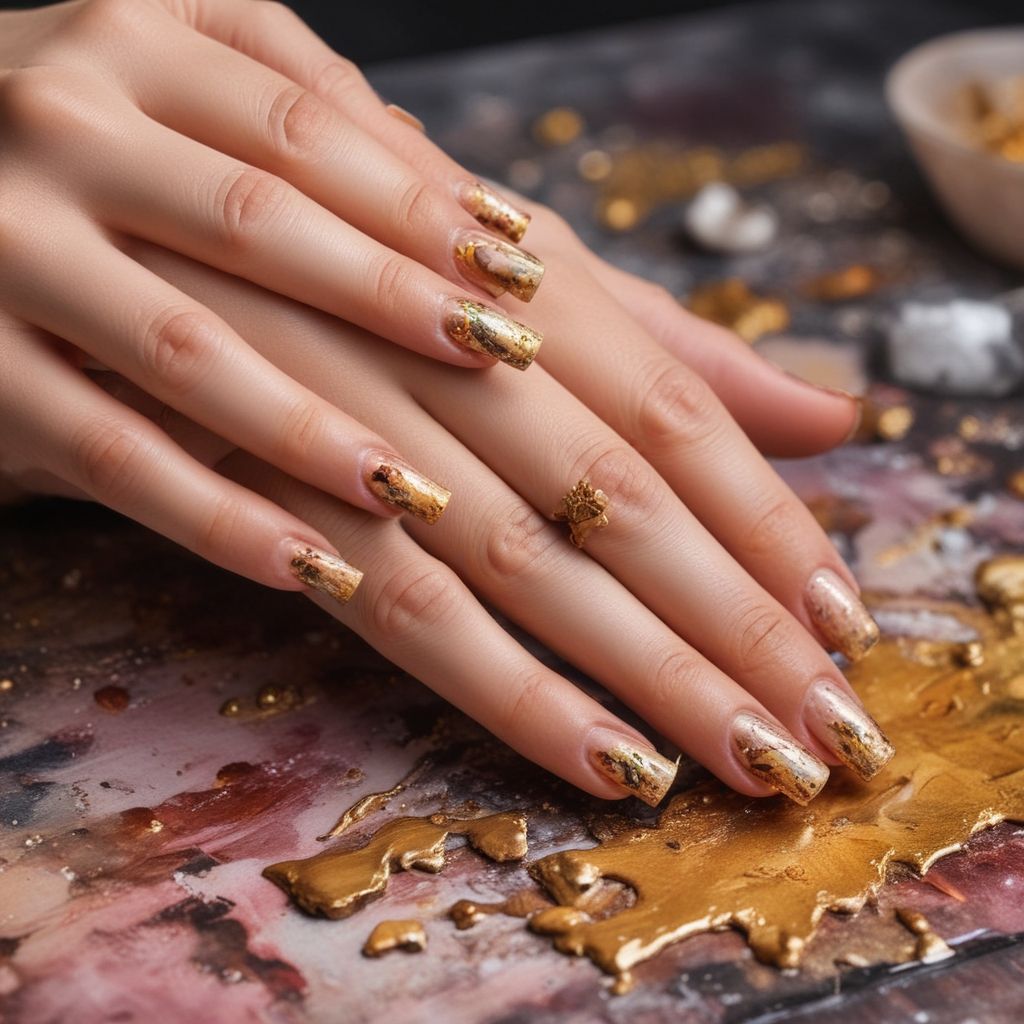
(717, 859)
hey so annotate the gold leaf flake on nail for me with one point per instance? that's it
(840, 616)
(402, 486)
(493, 211)
(327, 573)
(773, 756)
(489, 331)
(498, 267)
(848, 731)
(645, 773)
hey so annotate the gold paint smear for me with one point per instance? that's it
(717, 859)
(369, 804)
(336, 883)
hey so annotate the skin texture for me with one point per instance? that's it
(233, 420)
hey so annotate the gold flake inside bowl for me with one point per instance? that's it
(982, 191)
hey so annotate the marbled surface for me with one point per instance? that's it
(132, 840)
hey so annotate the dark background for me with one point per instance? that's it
(373, 30)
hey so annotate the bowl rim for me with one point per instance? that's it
(911, 123)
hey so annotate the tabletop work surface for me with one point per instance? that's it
(169, 733)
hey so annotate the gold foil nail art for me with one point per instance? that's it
(490, 331)
(645, 773)
(843, 726)
(327, 573)
(498, 267)
(584, 509)
(398, 484)
(843, 621)
(493, 211)
(403, 115)
(773, 756)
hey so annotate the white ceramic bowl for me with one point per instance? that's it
(983, 193)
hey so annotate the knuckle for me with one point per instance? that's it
(303, 432)
(177, 348)
(626, 479)
(389, 278)
(675, 677)
(36, 100)
(222, 525)
(516, 545)
(249, 202)
(299, 122)
(675, 406)
(760, 631)
(416, 208)
(112, 17)
(414, 601)
(526, 700)
(108, 458)
(774, 530)
(337, 79)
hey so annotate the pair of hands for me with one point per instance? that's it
(150, 146)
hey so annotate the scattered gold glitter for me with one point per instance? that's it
(639, 180)
(584, 509)
(888, 423)
(336, 883)
(6, 685)
(1000, 584)
(407, 936)
(594, 165)
(558, 127)
(231, 707)
(929, 946)
(954, 458)
(852, 282)
(732, 304)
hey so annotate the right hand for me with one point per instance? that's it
(124, 120)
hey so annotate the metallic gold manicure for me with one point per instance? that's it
(644, 772)
(397, 483)
(773, 756)
(493, 211)
(490, 331)
(498, 267)
(403, 115)
(325, 572)
(843, 726)
(843, 621)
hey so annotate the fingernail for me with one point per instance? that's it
(640, 770)
(403, 115)
(396, 483)
(773, 756)
(487, 330)
(493, 211)
(858, 420)
(325, 572)
(840, 616)
(498, 267)
(842, 725)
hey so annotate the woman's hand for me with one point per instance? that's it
(121, 120)
(696, 614)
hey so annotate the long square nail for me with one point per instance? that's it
(839, 614)
(396, 483)
(325, 572)
(773, 756)
(643, 772)
(493, 211)
(483, 329)
(842, 725)
(498, 267)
